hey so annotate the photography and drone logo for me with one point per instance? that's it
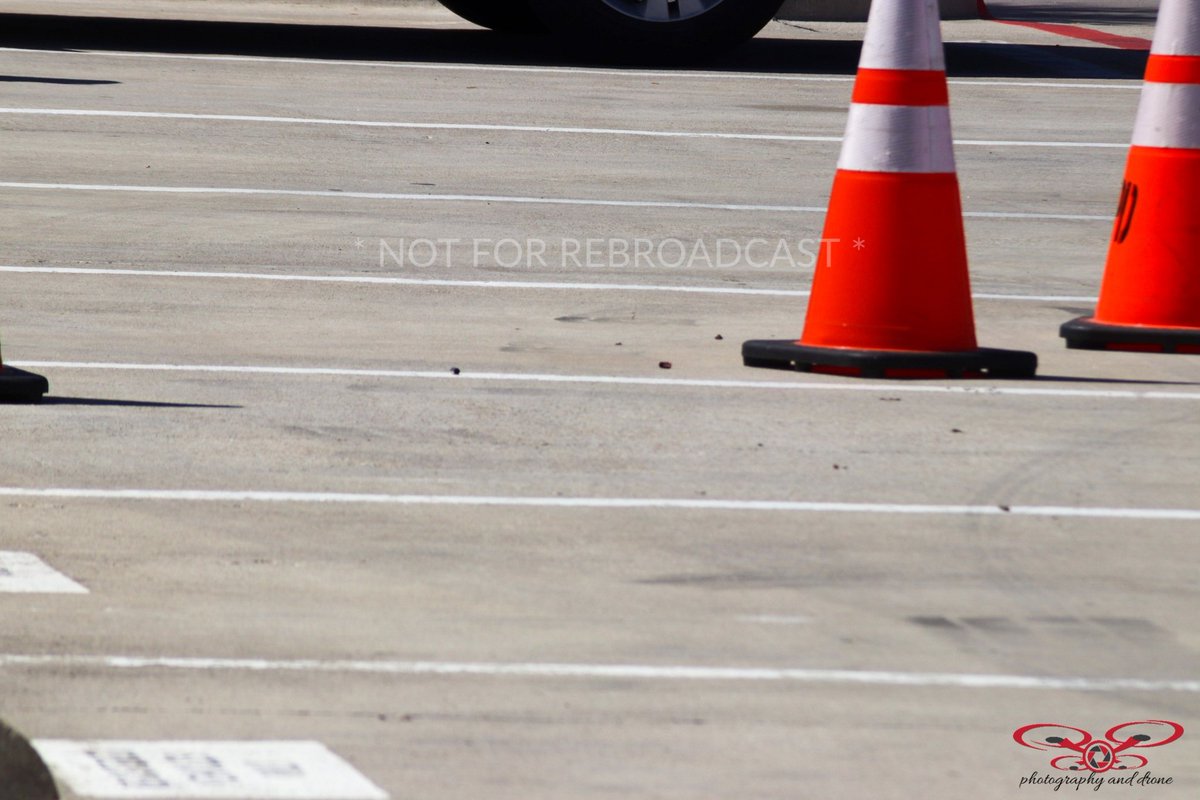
(1091, 757)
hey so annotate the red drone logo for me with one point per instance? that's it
(1099, 755)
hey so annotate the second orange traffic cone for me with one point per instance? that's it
(1150, 296)
(891, 296)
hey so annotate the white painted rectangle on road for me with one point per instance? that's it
(25, 572)
(288, 770)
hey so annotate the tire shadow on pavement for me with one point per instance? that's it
(50, 400)
(55, 81)
(349, 42)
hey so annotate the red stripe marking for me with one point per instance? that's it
(901, 87)
(1071, 31)
(1087, 34)
(1173, 69)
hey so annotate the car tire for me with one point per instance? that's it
(634, 31)
(506, 16)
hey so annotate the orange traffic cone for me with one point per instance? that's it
(891, 296)
(19, 386)
(1150, 295)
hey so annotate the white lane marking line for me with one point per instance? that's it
(608, 671)
(219, 770)
(475, 198)
(1033, 143)
(26, 573)
(455, 126)
(623, 380)
(582, 71)
(443, 282)
(408, 196)
(440, 126)
(662, 503)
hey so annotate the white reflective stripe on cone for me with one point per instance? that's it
(1177, 32)
(903, 35)
(897, 139)
(1168, 116)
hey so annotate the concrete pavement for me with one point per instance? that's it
(547, 575)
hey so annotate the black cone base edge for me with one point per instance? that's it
(19, 386)
(1087, 334)
(782, 354)
(23, 774)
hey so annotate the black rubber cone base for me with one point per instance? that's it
(984, 362)
(19, 386)
(23, 774)
(1087, 334)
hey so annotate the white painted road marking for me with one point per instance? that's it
(386, 280)
(581, 71)
(606, 671)
(499, 199)
(496, 128)
(26, 573)
(870, 387)
(614, 503)
(267, 770)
